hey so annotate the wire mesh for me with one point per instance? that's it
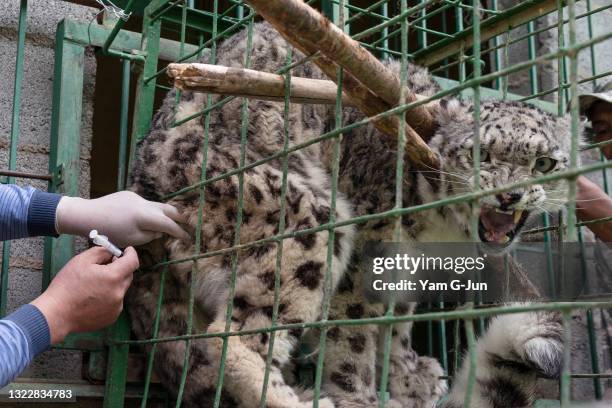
(480, 62)
(479, 36)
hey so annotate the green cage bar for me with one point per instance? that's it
(389, 26)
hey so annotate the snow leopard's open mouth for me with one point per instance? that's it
(500, 227)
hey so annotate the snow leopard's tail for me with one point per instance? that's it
(511, 355)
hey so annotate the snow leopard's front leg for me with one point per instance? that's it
(414, 381)
(303, 269)
(353, 355)
(512, 354)
(349, 372)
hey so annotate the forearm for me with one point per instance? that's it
(593, 204)
(23, 335)
(26, 212)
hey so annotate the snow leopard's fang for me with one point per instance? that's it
(499, 226)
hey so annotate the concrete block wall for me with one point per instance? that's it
(34, 142)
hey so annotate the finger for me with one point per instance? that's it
(167, 225)
(127, 264)
(156, 235)
(172, 212)
(97, 255)
(140, 238)
(127, 281)
(148, 236)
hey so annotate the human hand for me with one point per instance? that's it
(87, 293)
(124, 217)
(586, 190)
(593, 204)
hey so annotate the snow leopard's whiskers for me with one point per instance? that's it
(548, 202)
(438, 179)
(589, 199)
(543, 209)
(453, 174)
(560, 206)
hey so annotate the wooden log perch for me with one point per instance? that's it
(311, 29)
(253, 84)
(267, 86)
(223, 80)
(367, 82)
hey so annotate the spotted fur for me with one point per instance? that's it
(170, 159)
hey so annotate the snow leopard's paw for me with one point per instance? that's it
(416, 382)
(527, 342)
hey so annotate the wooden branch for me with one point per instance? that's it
(253, 84)
(280, 13)
(416, 150)
(264, 85)
(223, 80)
(304, 25)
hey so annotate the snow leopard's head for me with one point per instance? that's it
(518, 142)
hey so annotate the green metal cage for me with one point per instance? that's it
(464, 43)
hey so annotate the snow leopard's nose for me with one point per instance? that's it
(507, 199)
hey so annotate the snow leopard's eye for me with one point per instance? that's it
(484, 155)
(544, 164)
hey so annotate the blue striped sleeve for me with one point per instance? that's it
(14, 353)
(26, 212)
(23, 335)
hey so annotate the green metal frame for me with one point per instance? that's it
(453, 47)
(64, 156)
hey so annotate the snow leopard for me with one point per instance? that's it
(519, 141)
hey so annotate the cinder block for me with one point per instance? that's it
(34, 141)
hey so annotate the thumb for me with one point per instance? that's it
(127, 264)
(96, 255)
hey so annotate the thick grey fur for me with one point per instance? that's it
(511, 354)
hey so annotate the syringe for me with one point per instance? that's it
(102, 240)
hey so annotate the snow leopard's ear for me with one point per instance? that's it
(451, 110)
